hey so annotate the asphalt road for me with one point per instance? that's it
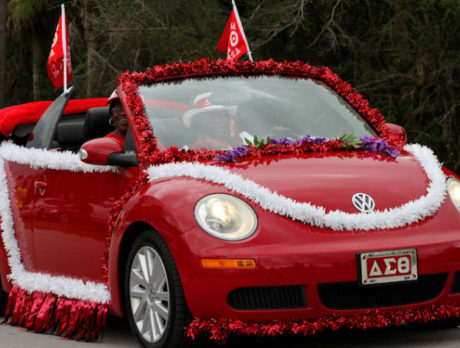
(118, 335)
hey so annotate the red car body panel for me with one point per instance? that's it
(289, 252)
(66, 234)
(71, 224)
(330, 180)
(21, 179)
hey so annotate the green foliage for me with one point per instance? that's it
(25, 13)
(258, 143)
(350, 141)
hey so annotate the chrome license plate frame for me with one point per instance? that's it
(387, 266)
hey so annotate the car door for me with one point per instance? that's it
(71, 223)
(25, 180)
(72, 212)
(60, 205)
(23, 186)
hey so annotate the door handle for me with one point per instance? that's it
(41, 187)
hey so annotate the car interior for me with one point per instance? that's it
(72, 130)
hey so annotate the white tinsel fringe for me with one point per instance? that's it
(305, 212)
(308, 213)
(40, 158)
(31, 281)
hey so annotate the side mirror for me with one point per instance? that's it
(97, 151)
(397, 131)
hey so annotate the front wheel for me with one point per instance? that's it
(155, 302)
(3, 300)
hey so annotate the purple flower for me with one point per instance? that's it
(320, 141)
(377, 146)
(365, 140)
(232, 155)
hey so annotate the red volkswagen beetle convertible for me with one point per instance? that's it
(248, 198)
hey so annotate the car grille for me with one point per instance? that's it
(350, 295)
(266, 298)
(456, 284)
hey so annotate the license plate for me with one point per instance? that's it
(388, 266)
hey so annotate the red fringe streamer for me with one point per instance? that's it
(219, 330)
(47, 313)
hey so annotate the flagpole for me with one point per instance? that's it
(64, 45)
(242, 30)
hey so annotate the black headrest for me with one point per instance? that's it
(70, 132)
(97, 123)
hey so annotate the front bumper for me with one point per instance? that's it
(318, 261)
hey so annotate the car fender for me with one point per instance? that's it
(165, 206)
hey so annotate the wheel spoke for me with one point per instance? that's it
(157, 323)
(155, 332)
(137, 279)
(163, 296)
(140, 310)
(146, 322)
(137, 292)
(150, 259)
(144, 267)
(158, 273)
(163, 312)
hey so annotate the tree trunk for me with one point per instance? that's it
(87, 11)
(3, 13)
(36, 64)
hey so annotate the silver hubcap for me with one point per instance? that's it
(149, 294)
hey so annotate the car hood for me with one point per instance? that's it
(317, 189)
(330, 180)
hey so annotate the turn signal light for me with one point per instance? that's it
(228, 263)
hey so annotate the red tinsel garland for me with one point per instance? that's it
(48, 313)
(219, 330)
(113, 216)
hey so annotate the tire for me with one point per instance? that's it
(451, 323)
(443, 324)
(154, 298)
(3, 300)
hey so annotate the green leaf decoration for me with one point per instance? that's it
(248, 142)
(349, 140)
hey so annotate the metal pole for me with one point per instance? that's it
(64, 45)
(242, 30)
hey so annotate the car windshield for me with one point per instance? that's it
(222, 112)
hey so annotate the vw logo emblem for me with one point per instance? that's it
(363, 202)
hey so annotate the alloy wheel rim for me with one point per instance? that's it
(149, 294)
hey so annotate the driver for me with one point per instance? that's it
(214, 125)
(117, 118)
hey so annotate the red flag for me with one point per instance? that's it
(233, 40)
(56, 58)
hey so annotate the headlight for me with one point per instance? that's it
(453, 187)
(225, 217)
